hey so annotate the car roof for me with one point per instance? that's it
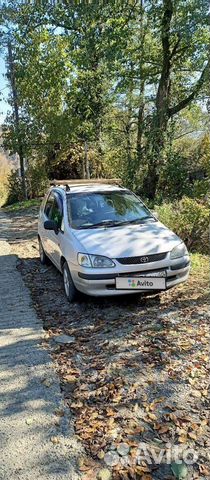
(88, 188)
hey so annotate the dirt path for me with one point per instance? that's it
(29, 388)
(136, 373)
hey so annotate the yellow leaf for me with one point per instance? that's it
(142, 469)
(101, 454)
(55, 440)
(192, 381)
(196, 393)
(205, 393)
(70, 378)
(204, 422)
(152, 416)
(76, 405)
(194, 426)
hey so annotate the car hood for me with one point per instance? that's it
(128, 240)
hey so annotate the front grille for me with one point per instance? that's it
(143, 259)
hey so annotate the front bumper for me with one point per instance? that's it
(102, 282)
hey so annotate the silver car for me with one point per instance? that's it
(105, 241)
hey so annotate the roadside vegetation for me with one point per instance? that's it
(23, 206)
(118, 92)
(4, 174)
(121, 91)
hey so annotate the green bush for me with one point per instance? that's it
(174, 179)
(36, 179)
(36, 183)
(200, 188)
(14, 191)
(189, 218)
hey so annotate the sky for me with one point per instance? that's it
(3, 90)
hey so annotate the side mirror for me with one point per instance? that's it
(51, 225)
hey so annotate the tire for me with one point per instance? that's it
(43, 257)
(69, 288)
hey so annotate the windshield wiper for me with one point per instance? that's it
(139, 220)
(105, 223)
(115, 223)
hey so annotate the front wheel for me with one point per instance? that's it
(69, 287)
(43, 257)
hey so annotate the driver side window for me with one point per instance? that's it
(56, 213)
(54, 210)
(48, 206)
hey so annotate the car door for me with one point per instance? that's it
(54, 211)
(45, 234)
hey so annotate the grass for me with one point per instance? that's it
(199, 278)
(15, 207)
(199, 263)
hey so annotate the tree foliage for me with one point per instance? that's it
(110, 90)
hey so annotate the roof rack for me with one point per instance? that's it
(85, 181)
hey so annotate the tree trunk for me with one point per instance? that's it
(140, 127)
(164, 111)
(140, 118)
(161, 115)
(86, 161)
(151, 181)
(17, 118)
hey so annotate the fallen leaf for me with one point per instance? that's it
(29, 421)
(205, 393)
(55, 440)
(70, 378)
(163, 429)
(141, 469)
(152, 416)
(101, 454)
(104, 474)
(59, 412)
(196, 393)
(182, 439)
(192, 435)
(204, 470)
(76, 405)
(47, 382)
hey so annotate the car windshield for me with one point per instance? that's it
(105, 209)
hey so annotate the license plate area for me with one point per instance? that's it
(141, 283)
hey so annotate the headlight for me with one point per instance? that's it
(98, 261)
(94, 261)
(179, 251)
(84, 260)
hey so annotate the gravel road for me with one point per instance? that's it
(35, 441)
(137, 371)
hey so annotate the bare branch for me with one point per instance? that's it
(186, 101)
(187, 133)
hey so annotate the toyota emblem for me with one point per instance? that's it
(144, 259)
